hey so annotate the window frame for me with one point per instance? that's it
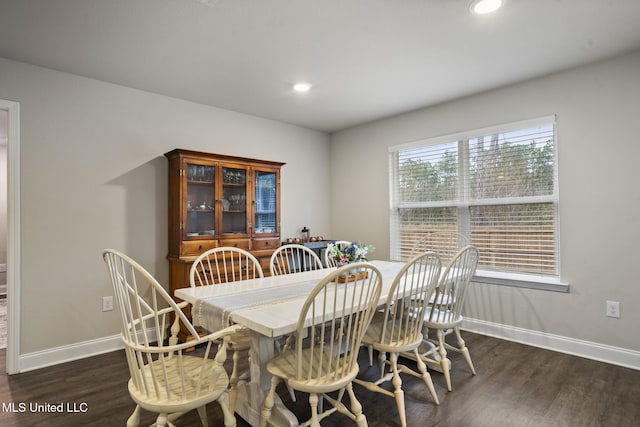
(506, 278)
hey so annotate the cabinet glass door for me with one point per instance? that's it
(234, 201)
(200, 218)
(265, 202)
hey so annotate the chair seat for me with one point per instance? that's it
(169, 398)
(372, 337)
(285, 366)
(453, 321)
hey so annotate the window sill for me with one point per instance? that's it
(521, 281)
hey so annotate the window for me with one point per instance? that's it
(496, 186)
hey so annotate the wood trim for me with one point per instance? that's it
(184, 248)
(14, 269)
(587, 349)
(219, 157)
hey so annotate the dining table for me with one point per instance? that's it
(269, 307)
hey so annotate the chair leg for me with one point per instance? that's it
(162, 419)
(268, 402)
(356, 407)
(398, 392)
(202, 413)
(229, 418)
(382, 357)
(426, 376)
(134, 419)
(464, 350)
(444, 362)
(292, 392)
(233, 382)
(313, 402)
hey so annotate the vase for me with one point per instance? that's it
(354, 270)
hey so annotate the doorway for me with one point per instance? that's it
(11, 134)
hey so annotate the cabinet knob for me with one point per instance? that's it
(235, 244)
(266, 243)
(200, 247)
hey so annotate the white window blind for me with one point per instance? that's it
(265, 202)
(496, 186)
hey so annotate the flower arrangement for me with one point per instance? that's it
(355, 252)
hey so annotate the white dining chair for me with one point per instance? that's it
(444, 313)
(293, 258)
(225, 265)
(398, 327)
(327, 360)
(328, 260)
(165, 379)
(288, 259)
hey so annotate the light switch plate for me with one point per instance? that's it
(107, 303)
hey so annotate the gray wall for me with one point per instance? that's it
(94, 176)
(597, 126)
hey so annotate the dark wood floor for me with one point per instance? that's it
(515, 385)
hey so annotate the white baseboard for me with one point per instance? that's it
(67, 353)
(589, 350)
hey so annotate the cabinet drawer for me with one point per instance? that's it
(236, 243)
(196, 247)
(265, 244)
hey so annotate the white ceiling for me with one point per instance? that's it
(367, 59)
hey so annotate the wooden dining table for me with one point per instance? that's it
(270, 308)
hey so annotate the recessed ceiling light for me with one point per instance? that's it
(302, 87)
(482, 7)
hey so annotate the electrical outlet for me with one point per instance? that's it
(107, 303)
(613, 309)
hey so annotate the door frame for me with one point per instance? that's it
(14, 270)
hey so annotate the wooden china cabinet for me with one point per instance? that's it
(217, 200)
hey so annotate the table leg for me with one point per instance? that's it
(251, 394)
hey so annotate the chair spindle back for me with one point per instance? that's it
(293, 259)
(343, 311)
(408, 299)
(223, 265)
(446, 304)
